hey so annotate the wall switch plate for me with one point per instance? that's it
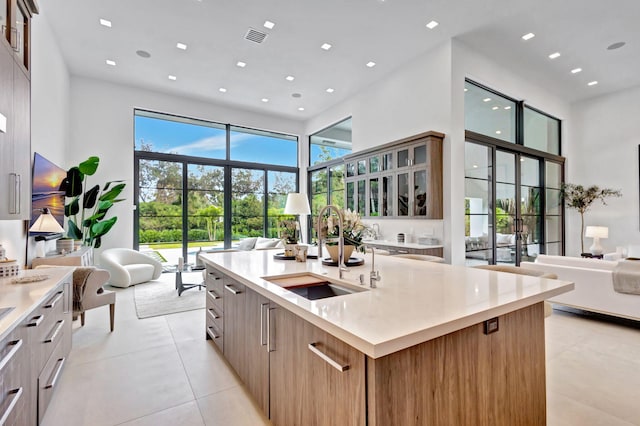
(3, 124)
(491, 325)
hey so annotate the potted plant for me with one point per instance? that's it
(580, 198)
(353, 232)
(289, 235)
(91, 203)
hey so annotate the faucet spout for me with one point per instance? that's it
(374, 275)
(341, 266)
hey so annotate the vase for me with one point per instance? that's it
(333, 251)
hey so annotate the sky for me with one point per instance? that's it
(203, 141)
(46, 175)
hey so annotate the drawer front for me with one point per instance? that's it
(214, 298)
(14, 379)
(214, 332)
(215, 315)
(49, 379)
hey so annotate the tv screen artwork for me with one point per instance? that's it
(46, 189)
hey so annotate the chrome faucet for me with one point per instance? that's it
(374, 276)
(341, 266)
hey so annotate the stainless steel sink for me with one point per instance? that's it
(313, 287)
(5, 311)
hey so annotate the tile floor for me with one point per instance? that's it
(161, 371)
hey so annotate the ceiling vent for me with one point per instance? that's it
(255, 36)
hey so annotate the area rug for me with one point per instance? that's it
(160, 297)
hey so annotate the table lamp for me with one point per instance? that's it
(45, 223)
(297, 204)
(596, 232)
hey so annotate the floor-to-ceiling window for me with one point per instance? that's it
(206, 185)
(513, 175)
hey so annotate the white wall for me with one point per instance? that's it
(603, 151)
(102, 125)
(49, 123)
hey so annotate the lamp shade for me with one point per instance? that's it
(297, 203)
(46, 223)
(597, 231)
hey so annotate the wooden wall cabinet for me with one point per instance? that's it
(15, 107)
(399, 179)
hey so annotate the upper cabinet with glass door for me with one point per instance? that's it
(399, 179)
(15, 21)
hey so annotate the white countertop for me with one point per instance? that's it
(24, 297)
(401, 245)
(414, 302)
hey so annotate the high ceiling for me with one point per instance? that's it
(387, 32)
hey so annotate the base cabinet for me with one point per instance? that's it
(316, 379)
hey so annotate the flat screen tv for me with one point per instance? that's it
(45, 189)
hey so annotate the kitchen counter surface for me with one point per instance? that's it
(24, 297)
(402, 245)
(414, 302)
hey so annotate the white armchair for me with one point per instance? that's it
(129, 267)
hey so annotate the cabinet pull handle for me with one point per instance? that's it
(262, 323)
(213, 314)
(14, 193)
(213, 295)
(313, 348)
(403, 251)
(16, 347)
(231, 289)
(14, 40)
(36, 321)
(270, 334)
(55, 332)
(212, 333)
(57, 374)
(17, 394)
(54, 301)
(213, 275)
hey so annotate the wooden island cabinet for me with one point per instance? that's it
(330, 362)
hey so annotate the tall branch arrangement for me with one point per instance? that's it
(580, 198)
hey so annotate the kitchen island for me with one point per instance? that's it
(432, 344)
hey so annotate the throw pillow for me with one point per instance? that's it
(247, 243)
(263, 243)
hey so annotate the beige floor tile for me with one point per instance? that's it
(119, 389)
(183, 415)
(599, 381)
(187, 325)
(207, 370)
(231, 407)
(564, 411)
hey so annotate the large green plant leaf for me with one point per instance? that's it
(89, 166)
(112, 193)
(72, 184)
(73, 231)
(72, 208)
(90, 197)
(100, 228)
(108, 184)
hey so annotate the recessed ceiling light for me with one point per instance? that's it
(507, 107)
(143, 54)
(241, 64)
(326, 46)
(105, 22)
(475, 166)
(486, 99)
(173, 77)
(110, 62)
(296, 95)
(222, 89)
(498, 132)
(615, 46)
(301, 109)
(554, 55)
(330, 90)
(431, 25)
(181, 46)
(289, 78)
(528, 36)
(495, 108)
(466, 90)
(592, 83)
(265, 100)
(371, 64)
(269, 24)
(576, 70)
